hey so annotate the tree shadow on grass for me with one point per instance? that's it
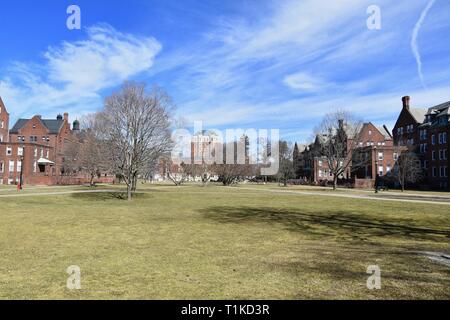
(106, 196)
(338, 224)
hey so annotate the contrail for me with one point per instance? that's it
(415, 34)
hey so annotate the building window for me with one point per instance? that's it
(433, 155)
(35, 152)
(445, 155)
(433, 139)
(380, 156)
(8, 151)
(423, 134)
(11, 166)
(2, 167)
(444, 137)
(395, 156)
(35, 167)
(20, 151)
(434, 172)
(19, 166)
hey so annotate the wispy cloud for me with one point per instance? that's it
(305, 82)
(415, 35)
(73, 75)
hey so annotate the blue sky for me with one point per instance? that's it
(231, 64)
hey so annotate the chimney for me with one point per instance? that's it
(406, 101)
(66, 117)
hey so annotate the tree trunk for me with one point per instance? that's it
(335, 182)
(129, 192)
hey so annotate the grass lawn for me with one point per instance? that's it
(219, 243)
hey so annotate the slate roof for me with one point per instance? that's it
(53, 125)
(418, 114)
(441, 109)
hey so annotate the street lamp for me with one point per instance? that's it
(22, 158)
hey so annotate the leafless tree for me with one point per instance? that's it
(339, 133)
(286, 167)
(136, 126)
(407, 168)
(86, 152)
(177, 173)
(232, 173)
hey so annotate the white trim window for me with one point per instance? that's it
(11, 166)
(9, 151)
(2, 167)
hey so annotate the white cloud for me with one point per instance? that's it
(73, 74)
(304, 82)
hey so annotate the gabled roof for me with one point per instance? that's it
(2, 104)
(439, 109)
(418, 114)
(53, 125)
(384, 131)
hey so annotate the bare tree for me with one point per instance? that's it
(86, 153)
(286, 170)
(339, 133)
(407, 168)
(177, 173)
(136, 125)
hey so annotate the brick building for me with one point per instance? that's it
(371, 153)
(4, 122)
(33, 149)
(425, 132)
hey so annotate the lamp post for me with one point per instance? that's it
(377, 179)
(22, 158)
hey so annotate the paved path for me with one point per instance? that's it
(408, 198)
(374, 197)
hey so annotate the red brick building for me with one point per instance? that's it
(4, 122)
(425, 132)
(371, 153)
(33, 149)
(374, 154)
(434, 146)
